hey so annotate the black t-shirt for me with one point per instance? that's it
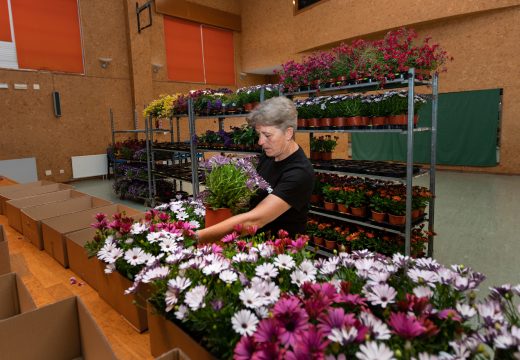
(292, 180)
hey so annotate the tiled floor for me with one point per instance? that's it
(477, 221)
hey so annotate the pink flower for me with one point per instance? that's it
(406, 326)
(292, 319)
(244, 349)
(310, 344)
(100, 216)
(268, 331)
(230, 237)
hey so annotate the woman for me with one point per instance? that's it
(284, 166)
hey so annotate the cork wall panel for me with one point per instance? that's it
(334, 21)
(232, 6)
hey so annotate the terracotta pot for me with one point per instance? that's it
(342, 208)
(318, 240)
(379, 217)
(326, 122)
(339, 122)
(313, 122)
(248, 106)
(402, 120)
(359, 212)
(215, 216)
(416, 213)
(315, 155)
(329, 205)
(326, 155)
(341, 79)
(396, 219)
(379, 121)
(355, 121)
(330, 244)
(315, 198)
(302, 123)
(422, 210)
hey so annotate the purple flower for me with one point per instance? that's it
(310, 345)
(230, 237)
(268, 331)
(449, 314)
(217, 304)
(405, 326)
(291, 317)
(244, 349)
(335, 318)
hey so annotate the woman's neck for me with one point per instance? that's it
(290, 149)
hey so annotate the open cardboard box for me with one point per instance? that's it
(15, 299)
(5, 263)
(54, 229)
(64, 330)
(5, 181)
(5, 190)
(29, 191)
(13, 207)
(32, 217)
(175, 354)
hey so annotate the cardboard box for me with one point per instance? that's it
(13, 207)
(165, 336)
(5, 190)
(54, 229)
(15, 299)
(32, 217)
(175, 354)
(5, 261)
(79, 262)
(61, 331)
(30, 191)
(5, 181)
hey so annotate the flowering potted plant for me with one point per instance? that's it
(379, 205)
(230, 184)
(356, 199)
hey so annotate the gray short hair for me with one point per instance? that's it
(278, 111)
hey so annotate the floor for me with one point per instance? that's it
(476, 221)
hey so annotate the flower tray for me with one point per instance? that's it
(166, 335)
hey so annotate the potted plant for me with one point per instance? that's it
(379, 207)
(230, 184)
(356, 199)
(327, 146)
(330, 194)
(397, 210)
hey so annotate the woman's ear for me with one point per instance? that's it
(289, 133)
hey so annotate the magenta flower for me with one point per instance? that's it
(406, 326)
(100, 216)
(216, 249)
(298, 244)
(164, 216)
(268, 351)
(451, 314)
(310, 344)
(244, 349)
(230, 237)
(292, 319)
(268, 331)
(335, 318)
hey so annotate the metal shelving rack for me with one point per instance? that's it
(148, 131)
(410, 82)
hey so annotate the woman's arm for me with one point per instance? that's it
(266, 211)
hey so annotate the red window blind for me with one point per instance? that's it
(197, 53)
(5, 27)
(47, 35)
(183, 50)
(219, 56)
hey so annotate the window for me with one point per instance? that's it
(198, 53)
(45, 35)
(301, 5)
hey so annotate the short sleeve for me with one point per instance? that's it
(295, 187)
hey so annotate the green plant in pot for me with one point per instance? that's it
(328, 143)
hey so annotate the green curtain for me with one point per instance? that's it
(467, 125)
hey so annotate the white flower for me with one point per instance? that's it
(171, 298)
(200, 211)
(129, 241)
(328, 267)
(195, 224)
(138, 228)
(240, 257)
(298, 277)
(228, 276)
(466, 311)
(109, 269)
(175, 258)
(307, 267)
(378, 328)
(106, 250)
(168, 245)
(113, 255)
(244, 322)
(269, 290)
(216, 267)
(135, 256)
(377, 277)
(153, 237)
(426, 356)
(374, 351)
(423, 291)
(364, 266)
(195, 297)
(344, 335)
(266, 271)
(381, 295)
(423, 277)
(181, 312)
(262, 312)
(284, 261)
(251, 298)
(156, 273)
(180, 283)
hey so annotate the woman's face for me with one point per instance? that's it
(274, 142)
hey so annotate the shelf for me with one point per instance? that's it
(254, 152)
(376, 177)
(319, 251)
(359, 221)
(140, 131)
(221, 116)
(365, 86)
(399, 131)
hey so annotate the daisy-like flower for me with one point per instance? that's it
(466, 311)
(329, 267)
(194, 298)
(129, 241)
(240, 257)
(244, 322)
(266, 250)
(216, 267)
(153, 237)
(406, 326)
(363, 267)
(380, 295)
(423, 291)
(378, 328)
(423, 277)
(426, 356)
(182, 312)
(180, 283)
(156, 273)
(228, 276)
(195, 224)
(230, 237)
(109, 269)
(307, 267)
(171, 298)
(168, 245)
(106, 250)
(138, 228)
(269, 290)
(299, 278)
(266, 271)
(113, 255)
(374, 351)
(135, 256)
(262, 312)
(251, 298)
(377, 277)
(284, 261)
